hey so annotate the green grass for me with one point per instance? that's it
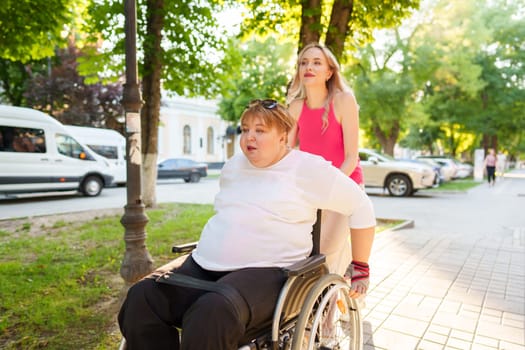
(60, 285)
(387, 224)
(460, 185)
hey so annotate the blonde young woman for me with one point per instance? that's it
(327, 118)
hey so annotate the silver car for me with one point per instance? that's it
(400, 178)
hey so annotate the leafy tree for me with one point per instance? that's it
(14, 78)
(30, 30)
(385, 94)
(262, 76)
(478, 89)
(63, 93)
(451, 77)
(342, 23)
(176, 41)
(501, 120)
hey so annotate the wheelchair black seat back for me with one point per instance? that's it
(313, 310)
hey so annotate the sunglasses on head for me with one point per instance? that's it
(267, 103)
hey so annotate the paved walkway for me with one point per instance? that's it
(433, 289)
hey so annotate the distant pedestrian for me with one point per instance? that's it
(490, 165)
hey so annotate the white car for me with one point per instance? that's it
(464, 170)
(449, 167)
(400, 178)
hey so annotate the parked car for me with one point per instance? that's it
(181, 168)
(464, 170)
(449, 167)
(400, 178)
(435, 166)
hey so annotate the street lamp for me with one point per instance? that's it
(137, 261)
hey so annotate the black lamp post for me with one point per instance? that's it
(137, 260)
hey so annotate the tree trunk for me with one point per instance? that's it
(387, 141)
(310, 22)
(151, 93)
(339, 27)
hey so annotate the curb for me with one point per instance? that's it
(407, 223)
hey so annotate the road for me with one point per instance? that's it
(167, 191)
(478, 210)
(481, 210)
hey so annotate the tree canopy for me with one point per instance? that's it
(340, 24)
(261, 76)
(31, 30)
(459, 69)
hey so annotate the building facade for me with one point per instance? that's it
(192, 128)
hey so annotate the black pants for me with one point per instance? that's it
(491, 173)
(153, 311)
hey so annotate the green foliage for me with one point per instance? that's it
(15, 77)
(254, 69)
(284, 18)
(459, 185)
(463, 61)
(191, 43)
(31, 30)
(370, 15)
(385, 95)
(64, 94)
(479, 88)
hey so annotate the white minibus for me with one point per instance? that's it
(37, 154)
(107, 143)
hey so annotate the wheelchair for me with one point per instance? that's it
(313, 310)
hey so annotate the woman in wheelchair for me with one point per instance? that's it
(267, 203)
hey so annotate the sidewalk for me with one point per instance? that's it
(449, 291)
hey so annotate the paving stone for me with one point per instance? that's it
(436, 338)
(428, 345)
(482, 347)
(490, 342)
(405, 325)
(439, 329)
(506, 333)
(457, 343)
(467, 324)
(454, 333)
(510, 346)
(492, 312)
(391, 340)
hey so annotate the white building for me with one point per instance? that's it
(191, 128)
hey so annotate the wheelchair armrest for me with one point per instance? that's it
(309, 264)
(183, 248)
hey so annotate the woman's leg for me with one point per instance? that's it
(334, 242)
(211, 322)
(145, 318)
(152, 310)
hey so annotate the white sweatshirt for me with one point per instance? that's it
(264, 216)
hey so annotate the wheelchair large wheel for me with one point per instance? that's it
(329, 318)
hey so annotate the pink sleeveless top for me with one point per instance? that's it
(330, 144)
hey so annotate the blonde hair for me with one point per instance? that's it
(272, 114)
(334, 84)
